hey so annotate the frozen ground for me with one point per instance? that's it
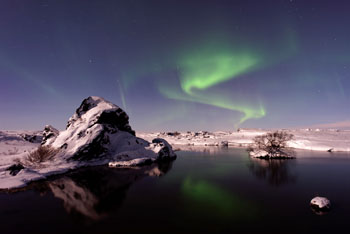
(309, 139)
(13, 144)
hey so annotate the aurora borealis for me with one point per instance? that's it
(176, 65)
(199, 72)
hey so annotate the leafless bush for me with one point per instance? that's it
(41, 154)
(274, 144)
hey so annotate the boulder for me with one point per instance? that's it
(163, 149)
(320, 203)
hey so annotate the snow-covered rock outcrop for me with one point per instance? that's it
(321, 203)
(101, 129)
(98, 133)
(49, 133)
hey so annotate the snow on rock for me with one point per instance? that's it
(49, 134)
(258, 153)
(321, 203)
(130, 163)
(97, 133)
(159, 146)
(162, 148)
(100, 128)
(89, 130)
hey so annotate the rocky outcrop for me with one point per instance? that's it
(99, 129)
(49, 133)
(111, 115)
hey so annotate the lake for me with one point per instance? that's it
(210, 189)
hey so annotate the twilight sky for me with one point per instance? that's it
(176, 65)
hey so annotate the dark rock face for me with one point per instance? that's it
(86, 105)
(96, 148)
(116, 119)
(49, 133)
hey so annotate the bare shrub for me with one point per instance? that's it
(274, 144)
(41, 154)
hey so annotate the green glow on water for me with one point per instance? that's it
(207, 197)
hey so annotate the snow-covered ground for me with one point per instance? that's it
(309, 139)
(14, 145)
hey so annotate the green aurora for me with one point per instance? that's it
(204, 69)
(208, 68)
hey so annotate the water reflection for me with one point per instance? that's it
(319, 212)
(94, 192)
(206, 198)
(275, 171)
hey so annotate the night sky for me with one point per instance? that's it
(176, 65)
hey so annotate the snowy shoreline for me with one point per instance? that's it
(18, 144)
(305, 139)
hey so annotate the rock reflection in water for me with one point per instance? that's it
(275, 171)
(94, 192)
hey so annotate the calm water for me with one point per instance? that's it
(221, 191)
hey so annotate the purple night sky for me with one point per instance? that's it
(176, 65)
